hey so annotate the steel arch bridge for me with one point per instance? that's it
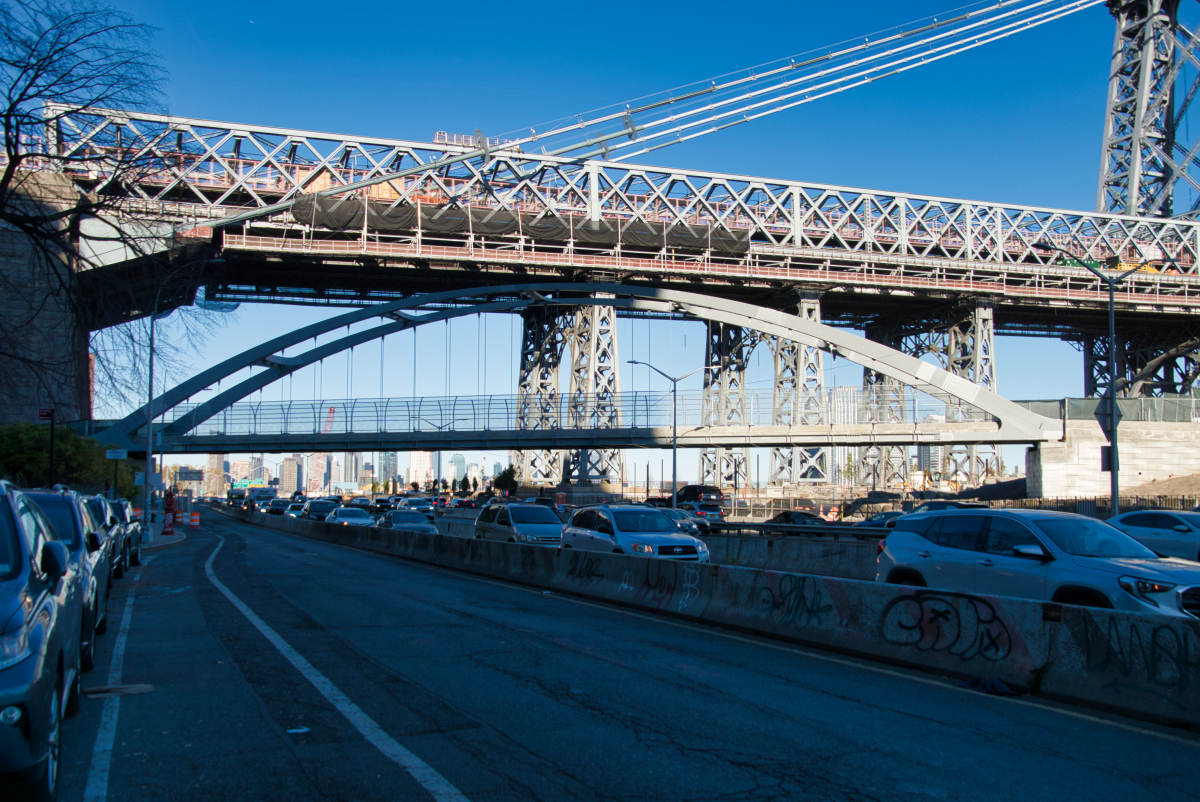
(586, 421)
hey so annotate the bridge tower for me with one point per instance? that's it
(1138, 160)
(799, 398)
(884, 400)
(543, 337)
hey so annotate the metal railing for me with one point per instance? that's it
(1164, 409)
(630, 410)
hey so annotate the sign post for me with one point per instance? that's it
(46, 415)
(116, 455)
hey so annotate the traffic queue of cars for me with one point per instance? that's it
(59, 555)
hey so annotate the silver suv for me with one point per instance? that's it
(531, 524)
(641, 531)
(1036, 554)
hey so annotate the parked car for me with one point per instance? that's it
(1171, 534)
(684, 520)
(798, 517)
(887, 518)
(133, 531)
(640, 531)
(698, 493)
(41, 624)
(406, 521)
(532, 524)
(89, 554)
(948, 504)
(294, 510)
(114, 533)
(319, 509)
(278, 506)
(350, 516)
(658, 501)
(1037, 554)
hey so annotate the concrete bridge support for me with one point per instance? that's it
(799, 398)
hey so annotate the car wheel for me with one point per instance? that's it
(512, 540)
(617, 551)
(909, 580)
(74, 695)
(101, 616)
(47, 787)
(135, 557)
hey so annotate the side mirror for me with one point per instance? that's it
(93, 542)
(605, 529)
(54, 560)
(1182, 528)
(1032, 551)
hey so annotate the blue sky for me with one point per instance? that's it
(1017, 121)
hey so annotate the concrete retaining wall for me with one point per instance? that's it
(849, 559)
(1139, 665)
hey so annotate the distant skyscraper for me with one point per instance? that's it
(390, 468)
(239, 470)
(473, 473)
(291, 475)
(335, 472)
(458, 467)
(317, 473)
(845, 405)
(352, 465)
(497, 469)
(420, 467)
(931, 459)
(214, 475)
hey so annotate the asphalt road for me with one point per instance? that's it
(480, 690)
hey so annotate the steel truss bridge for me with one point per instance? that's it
(317, 218)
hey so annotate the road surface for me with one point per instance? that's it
(284, 668)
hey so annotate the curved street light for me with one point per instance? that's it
(674, 380)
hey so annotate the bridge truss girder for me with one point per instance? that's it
(595, 385)
(1148, 363)
(543, 337)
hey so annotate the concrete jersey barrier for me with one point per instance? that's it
(1139, 665)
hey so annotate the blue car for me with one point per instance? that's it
(41, 612)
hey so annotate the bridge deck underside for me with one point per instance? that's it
(856, 287)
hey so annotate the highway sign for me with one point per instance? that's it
(46, 415)
(187, 475)
(116, 453)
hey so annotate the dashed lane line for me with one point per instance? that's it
(97, 781)
(433, 782)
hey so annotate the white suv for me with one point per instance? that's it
(1037, 554)
(641, 531)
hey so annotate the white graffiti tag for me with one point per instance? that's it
(626, 581)
(691, 586)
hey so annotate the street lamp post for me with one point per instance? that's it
(441, 428)
(1111, 282)
(674, 425)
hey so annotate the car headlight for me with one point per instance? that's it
(14, 647)
(701, 545)
(642, 548)
(1141, 589)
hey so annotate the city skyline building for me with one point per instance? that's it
(291, 475)
(420, 467)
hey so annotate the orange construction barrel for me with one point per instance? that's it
(195, 523)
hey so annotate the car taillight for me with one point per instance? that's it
(879, 547)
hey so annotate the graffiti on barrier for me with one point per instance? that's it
(656, 590)
(691, 586)
(1154, 658)
(940, 621)
(585, 569)
(626, 582)
(800, 600)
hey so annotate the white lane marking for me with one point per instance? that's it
(97, 781)
(437, 785)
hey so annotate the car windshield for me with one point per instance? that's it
(61, 518)
(99, 509)
(295, 507)
(643, 521)
(409, 518)
(280, 504)
(533, 514)
(10, 562)
(321, 506)
(352, 512)
(119, 511)
(417, 502)
(678, 515)
(1084, 537)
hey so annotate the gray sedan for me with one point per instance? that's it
(406, 521)
(1171, 534)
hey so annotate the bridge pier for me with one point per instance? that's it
(799, 398)
(543, 337)
(885, 400)
(727, 349)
